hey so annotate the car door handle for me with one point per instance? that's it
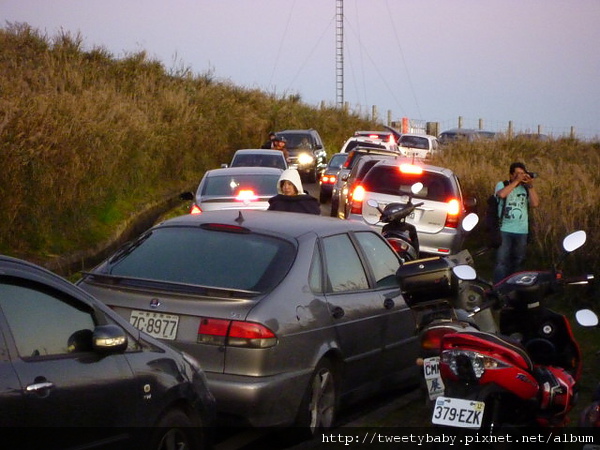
(41, 388)
(337, 313)
(388, 303)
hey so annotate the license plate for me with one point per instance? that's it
(457, 412)
(431, 371)
(156, 324)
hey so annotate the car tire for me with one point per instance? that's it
(175, 430)
(323, 197)
(319, 406)
(334, 207)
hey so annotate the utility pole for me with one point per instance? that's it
(339, 53)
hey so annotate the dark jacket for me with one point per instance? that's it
(302, 203)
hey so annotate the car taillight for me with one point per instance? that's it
(195, 209)
(235, 333)
(358, 196)
(246, 195)
(453, 213)
(328, 179)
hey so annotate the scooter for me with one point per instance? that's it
(526, 374)
(400, 234)
(442, 304)
(590, 416)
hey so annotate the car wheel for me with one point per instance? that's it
(318, 408)
(334, 207)
(175, 431)
(322, 197)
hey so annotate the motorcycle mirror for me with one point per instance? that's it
(416, 188)
(465, 272)
(574, 240)
(586, 318)
(470, 221)
(372, 219)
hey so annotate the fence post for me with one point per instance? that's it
(432, 128)
(481, 124)
(460, 122)
(374, 113)
(509, 132)
(405, 125)
(389, 117)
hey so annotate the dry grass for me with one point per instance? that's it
(86, 139)
(568, 185)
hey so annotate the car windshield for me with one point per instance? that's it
(208, 257)
(297, 140)
(232, 185)
(390, 180)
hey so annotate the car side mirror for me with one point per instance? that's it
(224, 166)
(470, 204)
(109, 339)
(186, 196)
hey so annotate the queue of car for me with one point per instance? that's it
(231, 310)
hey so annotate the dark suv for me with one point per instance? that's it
(306, 152)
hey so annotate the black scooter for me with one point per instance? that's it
(400, 234)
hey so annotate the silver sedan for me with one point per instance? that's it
(290, 315)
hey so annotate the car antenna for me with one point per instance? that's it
(240, 218)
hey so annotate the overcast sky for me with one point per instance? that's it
(533, 62)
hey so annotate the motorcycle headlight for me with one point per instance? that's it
(305, 158)
(469, 365)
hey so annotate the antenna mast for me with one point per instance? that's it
(339, 53)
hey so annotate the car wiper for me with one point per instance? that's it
(172, 286)
(128, 248)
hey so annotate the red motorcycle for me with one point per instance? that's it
(526, 374)
(441, 304)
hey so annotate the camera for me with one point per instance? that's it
(532, 174)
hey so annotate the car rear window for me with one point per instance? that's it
(205, 257)
(390, 180)
(355, 143)
(231, 185)
(249, 160)
(414, 142)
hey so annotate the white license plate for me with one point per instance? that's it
(457, 412)
(433, 378)
(156, 324)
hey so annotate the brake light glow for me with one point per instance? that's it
(432, 338)
(328, 179)
(235, 333)
(246, 195)
(411, 169)
(195, 209)
(453, 212)
(358, 194)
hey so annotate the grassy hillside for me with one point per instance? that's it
(87, 140)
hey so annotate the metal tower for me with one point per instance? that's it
(339, 53)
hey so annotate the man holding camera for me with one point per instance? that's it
(515, 196)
